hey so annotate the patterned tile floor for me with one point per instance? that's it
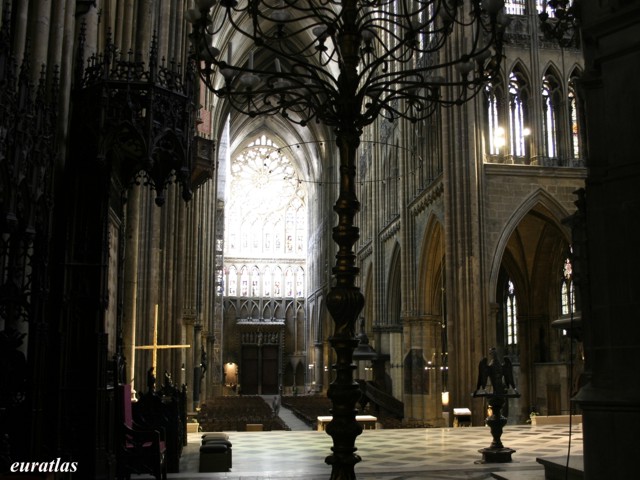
(406, 454)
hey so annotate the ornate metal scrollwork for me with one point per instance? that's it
(136, 116)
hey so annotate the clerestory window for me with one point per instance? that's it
(511, 315)
(551, 108)
(515, 7)
(495, 131)
(518, 115)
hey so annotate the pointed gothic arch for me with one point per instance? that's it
(430, 271)
(524, 287)
(539, 198)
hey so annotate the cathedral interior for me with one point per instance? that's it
(319, 198)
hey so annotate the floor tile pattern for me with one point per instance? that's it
(403, 454)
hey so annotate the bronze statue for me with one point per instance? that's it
(203, 361)
(168, 381)
(501, 375)
(151, 380)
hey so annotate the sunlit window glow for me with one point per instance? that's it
(551, 109)
(517, 114)
(265, 224)
(573, 118)
(567, 291)
(511, 314)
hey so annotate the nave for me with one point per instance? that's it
(397, 454)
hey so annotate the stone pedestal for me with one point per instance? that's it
(496, 452)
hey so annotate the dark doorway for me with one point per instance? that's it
(553, 400)
(259, 370)
(249, 370)
(269, 369)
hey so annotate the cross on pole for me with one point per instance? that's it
(155, 347)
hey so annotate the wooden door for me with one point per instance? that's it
(554, 404)
(249, 370)
(270, 369)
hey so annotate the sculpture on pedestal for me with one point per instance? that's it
(501, 377)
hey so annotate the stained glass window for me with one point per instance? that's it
(551, 110)
(567, 290)
(573, 120)
(515, 7)
(517, 114)
(496, 133)
(511, 313)
(266, 211)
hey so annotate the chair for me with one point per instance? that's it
(140, 449)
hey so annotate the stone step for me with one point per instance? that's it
(555, 468)
(522, 475)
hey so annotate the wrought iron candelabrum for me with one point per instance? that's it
(344, 63)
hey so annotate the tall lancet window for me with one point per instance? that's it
(574, 118)
(266, 282)
(567, 291)
(551, 105)
(232, 289)
(511, 314)
(543, 6)
(244, 282)
(300, 282)
(573, 114)
(518, 130)
(288, 283)
(277, 282)
(515, 7)
(255, 282)
(495, 131)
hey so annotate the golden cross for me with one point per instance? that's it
(155, 347)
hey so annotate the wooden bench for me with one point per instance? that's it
(368, 422)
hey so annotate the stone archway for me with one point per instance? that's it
(527, 299)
